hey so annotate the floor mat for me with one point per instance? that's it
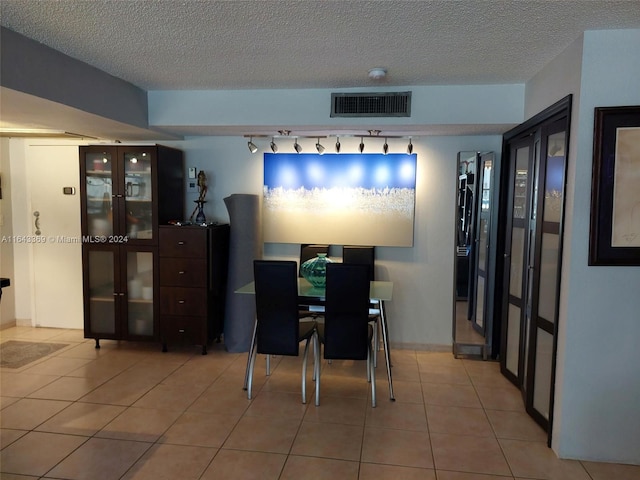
(16, 354)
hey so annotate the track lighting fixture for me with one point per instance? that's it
(320, 148)
(252, 146)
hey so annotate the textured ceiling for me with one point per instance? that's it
(206, 44)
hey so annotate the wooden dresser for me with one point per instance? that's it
(193, 279)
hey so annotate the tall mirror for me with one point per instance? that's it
(466, 340)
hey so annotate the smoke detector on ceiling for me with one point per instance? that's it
(377, 73)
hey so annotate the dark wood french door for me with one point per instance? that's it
(531, 229)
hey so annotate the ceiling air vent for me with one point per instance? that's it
(387, 104)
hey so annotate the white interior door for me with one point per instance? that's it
(56, 239)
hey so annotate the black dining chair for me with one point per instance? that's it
(346, 333)
(278, 329)
(365, 255)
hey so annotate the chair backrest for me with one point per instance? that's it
(346, 318)
(276, 292)
(360, 255)
(308, 252)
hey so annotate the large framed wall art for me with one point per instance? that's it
(615, 196)
(339, 199)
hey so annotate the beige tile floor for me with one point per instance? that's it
(128, 411)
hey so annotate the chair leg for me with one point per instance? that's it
(304, 371)
(268, 365)
(317, 368)
(373, 378)
(376, 343)
(252, 361)
(253, 343)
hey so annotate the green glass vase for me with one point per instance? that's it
(315, 270)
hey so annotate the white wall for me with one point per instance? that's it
(601, 414)
(597, 414)
(309, 109)
(420, 314)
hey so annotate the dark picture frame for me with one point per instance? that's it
(614, 233)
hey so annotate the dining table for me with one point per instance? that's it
(379, 293)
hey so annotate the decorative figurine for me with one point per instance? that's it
(202, 187)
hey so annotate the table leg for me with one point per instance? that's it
(387, 355)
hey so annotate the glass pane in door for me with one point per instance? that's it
(479, 318)
(542, 377)
(547, 296)
(515, 270)
(102, 300)
(99, 189)
(554, 178)
(513, 339)
(483, 235)
(138, 192)
(140, 293)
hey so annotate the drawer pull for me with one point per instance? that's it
(181, 301)
(181, 272)
(180, 242)
(181, 330)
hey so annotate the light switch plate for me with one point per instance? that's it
(192, 186)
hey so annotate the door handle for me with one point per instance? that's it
(37, 222)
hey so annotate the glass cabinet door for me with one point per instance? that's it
(138, 195)
(140, 293)
(99, 196)
(102, 292)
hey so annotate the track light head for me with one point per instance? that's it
(296, 146)
(410, 147)
(274, 147)
(319, 147)
(385, 147)
(361, 146)
(252, 146)
(337, 144)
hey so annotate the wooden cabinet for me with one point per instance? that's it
(193, 279)
(126, 193)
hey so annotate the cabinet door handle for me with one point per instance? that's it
(180, 242)
(181, 272)
(180, 302)
(181, 330)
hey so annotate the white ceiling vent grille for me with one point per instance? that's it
(387, 104)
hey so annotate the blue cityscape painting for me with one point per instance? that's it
(339, 199)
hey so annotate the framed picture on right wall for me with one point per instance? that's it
(614, 237)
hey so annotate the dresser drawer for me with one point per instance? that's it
(183, 301)
(190, 330)
(183, 272)
(183, 242)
